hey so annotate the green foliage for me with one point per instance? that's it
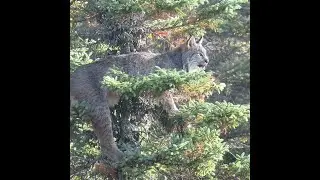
(125, 22)
(79, 53)
(157, 82)
(195, 146)
(199, 148)
(240, 168)
(82, 51)
(120, 6)
(77, 11)
(202, 15)
(132, 6)
(198, 151)
(78, 57)
(219, 115)
(83, 144)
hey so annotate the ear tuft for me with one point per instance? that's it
(191, 42)
(200, 40)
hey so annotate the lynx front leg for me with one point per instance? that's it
(168, 103)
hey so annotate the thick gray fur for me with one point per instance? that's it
(85, 85)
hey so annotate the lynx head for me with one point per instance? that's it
(194, 56)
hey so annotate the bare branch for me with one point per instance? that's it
(232, 135)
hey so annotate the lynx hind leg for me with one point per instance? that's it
(102, 126)
(166, 99)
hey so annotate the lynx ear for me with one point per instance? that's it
(191, 42)
(200, 41)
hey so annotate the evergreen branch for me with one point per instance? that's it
(83, 167)
(72, 2)
(182, 25)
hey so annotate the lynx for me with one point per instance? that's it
(85, 85)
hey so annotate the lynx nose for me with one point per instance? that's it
(206, 61)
